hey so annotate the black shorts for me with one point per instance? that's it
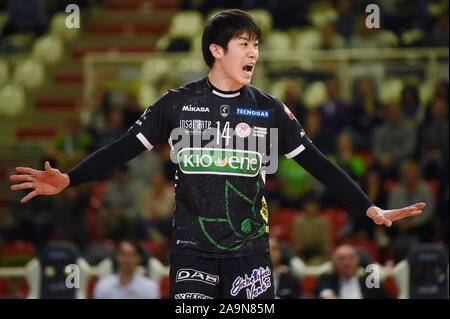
(196, 277)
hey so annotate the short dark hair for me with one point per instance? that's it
(224, 26)
(133, 242)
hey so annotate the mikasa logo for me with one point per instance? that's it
(190, 108)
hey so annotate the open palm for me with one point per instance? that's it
(47, 182)
(386, 217)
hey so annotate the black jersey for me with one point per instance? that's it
(223, 143)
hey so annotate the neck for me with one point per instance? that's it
(220, 79)
(125, 278)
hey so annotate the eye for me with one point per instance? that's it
(244, 44)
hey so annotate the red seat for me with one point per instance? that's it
(369, 246)
(36, 132)
(282, 224)
(390, 286)
(434, 187)
(139, 4)
(98, 191)
(58, 103)
(308, 285)
(337, 218)
(18, 247)
(92, 281)
(23, 289)
(153, 247)
(164, 287)
(5, 287)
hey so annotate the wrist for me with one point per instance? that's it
(66, 180)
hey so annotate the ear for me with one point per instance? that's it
(216, 51)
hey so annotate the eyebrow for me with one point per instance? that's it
(246, 39)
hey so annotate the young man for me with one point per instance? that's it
(126, 284)
(220, 233)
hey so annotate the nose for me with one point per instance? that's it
(253, 52)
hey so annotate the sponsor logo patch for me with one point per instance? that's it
(251, 112)
(219, 161)
(196, 275)
(243, 130)
(259, 131)
(190, 108)
(255, 284)
(192, 295)
(224, 110)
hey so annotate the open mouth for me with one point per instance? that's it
(248, 68)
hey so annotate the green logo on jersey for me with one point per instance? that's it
(219, 161)
(244, 227)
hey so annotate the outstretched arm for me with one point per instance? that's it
(343, 187)
(51, 181)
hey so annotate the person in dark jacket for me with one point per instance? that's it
(344, 282)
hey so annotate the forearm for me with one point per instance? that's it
(334, 178)
(105, 159)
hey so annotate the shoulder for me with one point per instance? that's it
(105, 285)
(261, 96)
(146, 282)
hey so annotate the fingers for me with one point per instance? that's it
(22, 186)
(22, 178)
(27, 170)
(28, 197)
(47, 166)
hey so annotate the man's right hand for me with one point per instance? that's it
(48, 182)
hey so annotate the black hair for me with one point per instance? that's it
(224, 26)
(133, 242)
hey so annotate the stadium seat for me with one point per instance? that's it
(428, 272)
(5, 288)
(164, 287)
(146, 96)
(337, 219)
(154, 69)
(96, 196)
(433, 184)
(12, 100)
(322, 13)
(314, 94)
(152, 247)
(306, 39)
(4, 72)
(18, 248)
(277, 41)
(308, 285)
(49, 49)
(391, 90)
(282, 224)
(29, 73)
(47, 274)
(369, 246)
(58, 27)
(263, 18)
(390, 286)
(186, 24)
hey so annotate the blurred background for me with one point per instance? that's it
(375, 101)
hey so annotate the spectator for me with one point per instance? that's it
(346, 158)
(394, 141)
(119, 212)
(25, 16)
(344, 282)
(438, 36)
(435, 142)
(370, 38)
(410, 102)
(314, 130)
(410, 190)
(115, 126)
(345, 24)
(156, 208)
(287, 286)
(366, 113)
(311, 234)
(372, 186)
(71, 145)
(335, 110)
(330, 39)
(127, 284)
(293, 102)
